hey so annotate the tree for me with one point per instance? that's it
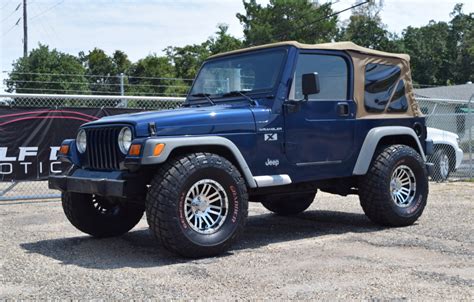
(365, 28)
(461, 44)
(47, 71)
(442, 53)
(222, 41)
(280, 20)
(103, 71)
(154, 75)
(188, 59)
(429, 61)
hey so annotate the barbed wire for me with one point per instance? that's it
(86, 92)
(95, 75)
(94, 83)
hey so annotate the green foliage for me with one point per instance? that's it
(461, 42)
(188, 59)
(365, 28)
(154, 75)
(103, 70)
(42, 65)
(282, 20)
(430, 61)
(442, 53)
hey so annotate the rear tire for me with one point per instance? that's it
(289, 204)
(395, 189)
(98, 217)
(197, 205)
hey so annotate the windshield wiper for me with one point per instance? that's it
(204, 95)
(241, 93)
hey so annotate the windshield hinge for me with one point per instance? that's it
(152, 128)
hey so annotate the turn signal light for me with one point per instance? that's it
(158, 149)
(64, 150)
(134, 150)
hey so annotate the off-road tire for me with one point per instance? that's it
(166, 201)
(375, 191)
(437, 157)
(288, 204)
(98, 217)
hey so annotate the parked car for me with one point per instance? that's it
(272, 124)
(447, 155)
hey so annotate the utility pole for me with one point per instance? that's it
(25, 31)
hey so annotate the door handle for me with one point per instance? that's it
(343, 109)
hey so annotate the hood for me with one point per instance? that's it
(441, 136)
(187, 121)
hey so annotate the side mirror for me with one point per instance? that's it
(310, 83)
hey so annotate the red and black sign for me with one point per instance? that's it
(30, 138)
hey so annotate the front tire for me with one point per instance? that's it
(98, 216)
(441, 165)
(395, 189)
(288, 204)
(197, 205)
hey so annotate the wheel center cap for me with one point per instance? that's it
(199, 204)
(395, 185)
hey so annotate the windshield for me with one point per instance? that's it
(245, 73)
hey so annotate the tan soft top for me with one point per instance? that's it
(361, 56)
(347, 46)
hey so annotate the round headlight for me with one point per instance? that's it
(81, 141)
(125, 139)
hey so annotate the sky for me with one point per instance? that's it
(142, 27)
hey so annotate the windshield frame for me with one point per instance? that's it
(219, 97)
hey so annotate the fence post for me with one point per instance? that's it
(124, 102)
(471, 124)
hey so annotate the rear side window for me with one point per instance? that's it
(380, 82)
(333, 76)
(399, 102)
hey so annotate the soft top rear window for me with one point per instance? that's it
(380, 81)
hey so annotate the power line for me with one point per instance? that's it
(11, 28)
(47, 10)
(16, 9)
(6, 4)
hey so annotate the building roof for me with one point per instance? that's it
(454, 92)
(324, 46)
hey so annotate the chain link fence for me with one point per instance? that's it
(451, 126)
(454, 117)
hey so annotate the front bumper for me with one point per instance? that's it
(109, 184)
(459, 158)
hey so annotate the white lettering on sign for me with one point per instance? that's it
(26, 162)
(9, 168)
(3, 155)
(54, 153)
(27, 151)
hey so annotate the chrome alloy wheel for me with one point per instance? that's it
(206, 206)
(444, 166)
(403, 186)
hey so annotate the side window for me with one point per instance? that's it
(380, 82)
(333, 78)
(399, 102)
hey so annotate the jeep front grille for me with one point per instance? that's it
(102, 149)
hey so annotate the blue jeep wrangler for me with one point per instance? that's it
(271, 124)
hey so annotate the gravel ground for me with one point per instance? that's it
(330, 251)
